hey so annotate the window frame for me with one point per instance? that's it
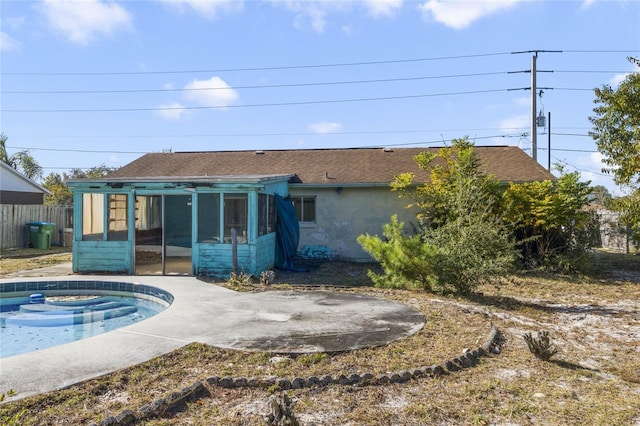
(300, 212)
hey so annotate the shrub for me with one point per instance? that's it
(451, 259)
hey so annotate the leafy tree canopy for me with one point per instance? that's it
(616, 129)
(60, 192)
(459, 242)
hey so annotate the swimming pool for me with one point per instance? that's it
(42, 314)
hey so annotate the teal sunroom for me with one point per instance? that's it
(176, 226)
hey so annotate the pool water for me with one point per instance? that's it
(27, 327)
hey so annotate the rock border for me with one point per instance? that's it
(175, 399)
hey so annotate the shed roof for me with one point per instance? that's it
(324, 166)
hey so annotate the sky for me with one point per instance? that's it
(96, 82)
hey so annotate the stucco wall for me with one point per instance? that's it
(344, 214)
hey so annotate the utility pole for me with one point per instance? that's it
(534, 91)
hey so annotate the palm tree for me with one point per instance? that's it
(22, 161)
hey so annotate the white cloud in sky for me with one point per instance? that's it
(382, 8)
(515, 122)
(459, 14)
(314, 14)
(209, 9)
(8, 43)
(82, 21)
(617, 79)
(219, 95)
(307, 13)
(590, 168)
(325, 127)
(587, 3)
(173, 111)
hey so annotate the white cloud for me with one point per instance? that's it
(7, 43)
(516, 122)
(325, 127)
(378, 8)
(209, 9)
(459, 14)
(213, 92)
(315, 14)
(617, 79)
(312, 13)
(172, 111)
(587, 3)
(590, 168)
(82, 21)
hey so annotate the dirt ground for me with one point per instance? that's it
(593, 321)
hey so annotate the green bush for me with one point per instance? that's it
(451, 259)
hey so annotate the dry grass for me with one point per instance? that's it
(12, 261)
(594, 321)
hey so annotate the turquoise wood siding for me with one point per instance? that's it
(265, 253)
(102, 256)
(216, 259)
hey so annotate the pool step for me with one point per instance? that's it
(61, 317)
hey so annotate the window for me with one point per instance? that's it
(266, 214)
(208, 218)
(235, 216)
(305, 208)
(92, 216)
(94, 213)
(118, 224)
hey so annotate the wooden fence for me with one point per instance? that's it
(14, 219)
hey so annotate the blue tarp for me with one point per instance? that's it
(287, 233)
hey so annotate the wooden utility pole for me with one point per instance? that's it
(534, 92)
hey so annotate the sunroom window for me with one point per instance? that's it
(235, 216)
(208, 218)
(118, 223)
(266, 214)
(92, 217)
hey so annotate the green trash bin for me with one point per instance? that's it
(40, 234)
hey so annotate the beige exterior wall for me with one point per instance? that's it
(344, 214)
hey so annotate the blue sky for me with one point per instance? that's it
(94, 82)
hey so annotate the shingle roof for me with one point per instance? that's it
(325, 166)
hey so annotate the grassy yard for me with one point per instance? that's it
(12, 261)
(593, 320)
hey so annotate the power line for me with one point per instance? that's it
(272, 104)
(286, 67)
(78, 150)
(276, 86)
(210, 135)
(281, 67)
(268, 86)
(435, 141)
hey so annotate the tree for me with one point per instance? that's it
(601, 195)
(616, 129)
(60, 192)
(22, 161)
(549, 220)
(460, 242)
(92, 173)
(629, 208)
